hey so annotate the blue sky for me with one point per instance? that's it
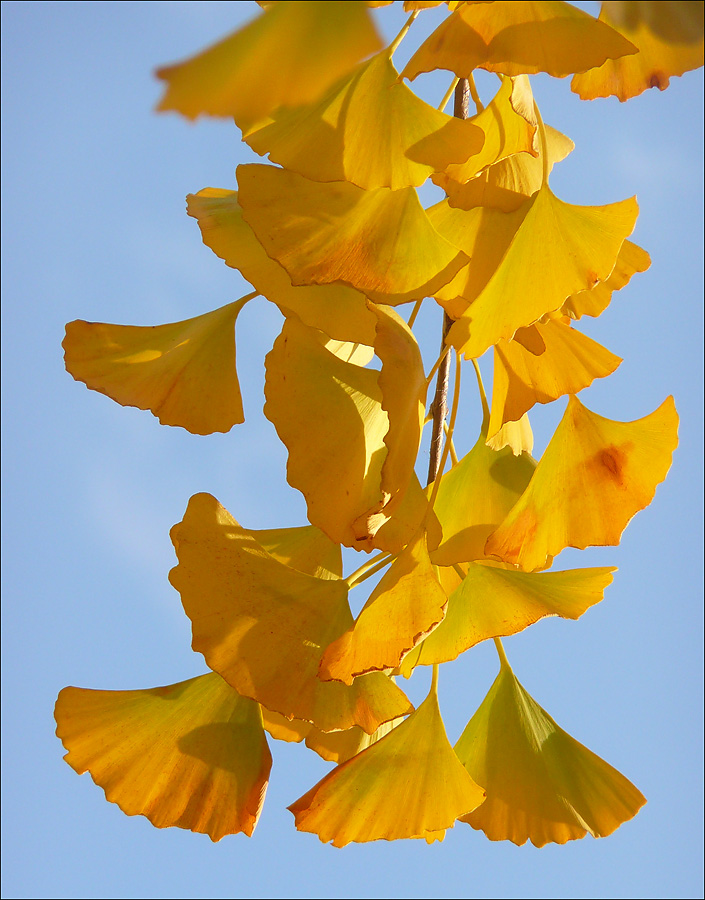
(94, 227)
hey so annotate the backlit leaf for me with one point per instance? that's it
(607, 471)
(542, 785)
(409, 784)
(518, 37)
(288, 56)
(263, 626)
(191, 754)
(631, 259)
(183, 372)
(379, 242)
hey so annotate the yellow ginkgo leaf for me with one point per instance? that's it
(542, 785)
(631, 259)
(404, 607)
(565, 248)
(677, 22)
(308, 45)
(493, 601)
(330, 140)
(336, 309)
(594, 476)
(518, 436)
(183, 372)
(409, 784)
(263, 626)
(506, 184)
(333, 746)
(568, 362)
(380, 242)
(475, 496)
(329, 415)
(191, 754)
(306, 549)
(518, 38)
(657, 61)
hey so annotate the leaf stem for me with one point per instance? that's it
(445, 350)
(415, 312)
(459, 571)
(434, 681)
(483, 396)
(544, 145)
(448, 94)
(370, 568)
(451, 428)
(502, 655)
(474, 94)
(449, 438)
(402, 34)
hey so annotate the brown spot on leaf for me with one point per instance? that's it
(659, 80)
(613, 459)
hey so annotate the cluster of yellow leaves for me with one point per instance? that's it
(335, 235)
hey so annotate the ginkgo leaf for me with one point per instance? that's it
(506, 184)
(494, 601)
(568, 362)
(657, 61)
(330, 140)
(404, 607)
(308, 46)
(509, 125)
(183, 372)
(333, 746)
(191, 754)
(409, 784)
(263, 626)
(305, 549)
(594, 476)
(518, 436)
(329, 415)
(475, 496)
(518, 38)
(631, 259)
(336, 309)
(380, 242)
(542, 785)
(678, 21)
(566, 249)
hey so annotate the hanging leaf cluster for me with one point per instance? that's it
(330, 229)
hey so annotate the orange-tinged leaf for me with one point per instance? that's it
(305, 549)
(475, 496)
(657, 61)
(332, 139)
(191, 754)
(409, 784)
(329, 415)
(518, 38)
(675, 21)
(263, 625)
(566, 249)
(593, 477)
(404, 607)
(336, 309)
(631, 259)
(288, 56)
(568, 362)
(380, 242)
(183, 372)
(542, 785)
(493, 601)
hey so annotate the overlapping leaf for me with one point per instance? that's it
(370, 130)
(183, 372)
(542, 785)
(409, 784)
(263, 625)
(379, 242)
(518, 38)
(564, 362)
(660, 57)
(288, 56)
(191, 754)
(607, 472)
(631, 259)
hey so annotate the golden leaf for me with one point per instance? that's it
(607, 472)
(191, 754)
(631, 259)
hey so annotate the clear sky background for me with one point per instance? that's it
(94, 227)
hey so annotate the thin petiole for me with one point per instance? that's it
(434, 681)
(370, 568)
(402, 34)
(453, 454)
(448, 94)
(451, 428)
(502, 655)
(437, 364)
(479, 106)
(544, 145)
(415, 312)
(483, 396)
